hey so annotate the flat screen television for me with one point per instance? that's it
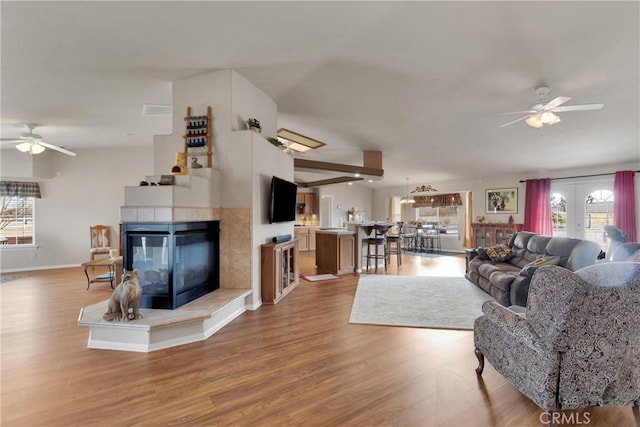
(282, 207)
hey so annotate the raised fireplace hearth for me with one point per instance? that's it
(178, 262)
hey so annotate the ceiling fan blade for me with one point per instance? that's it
(556, 102)
(7, 140)
(515, 121)
(55, 147)
(578, 107)
(520, 112)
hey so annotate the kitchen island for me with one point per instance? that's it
(335, 251)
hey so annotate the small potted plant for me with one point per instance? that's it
(275, 141)
(254, 125)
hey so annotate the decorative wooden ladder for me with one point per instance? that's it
(198, 134)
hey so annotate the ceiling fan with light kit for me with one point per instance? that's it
(32, 143)
(542, 112)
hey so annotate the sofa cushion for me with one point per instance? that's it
(520, 239)
(487, 268)
(562, 247)
(499, 253)
(503, 279)
(538, 244)
(525, 250)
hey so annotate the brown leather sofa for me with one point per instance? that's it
(508, 281)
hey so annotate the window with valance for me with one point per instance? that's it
(20, 189)
(441, 210)
(438, 200)
(17, 220)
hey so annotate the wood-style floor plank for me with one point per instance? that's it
(298, 362)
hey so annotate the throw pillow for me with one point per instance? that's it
(546, 260)
(482, 254)
(499, 253)
(531, 268)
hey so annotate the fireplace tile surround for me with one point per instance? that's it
(235, 236)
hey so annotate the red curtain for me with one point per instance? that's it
(537, 206)
(624, 204)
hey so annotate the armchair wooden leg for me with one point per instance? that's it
(636, 413)
(480, 357)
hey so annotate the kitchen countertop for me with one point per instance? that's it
(335, 231)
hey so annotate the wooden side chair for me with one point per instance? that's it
(100, 240)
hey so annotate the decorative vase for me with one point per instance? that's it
(180, 168)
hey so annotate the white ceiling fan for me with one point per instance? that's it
(542, 112)
(32, 143)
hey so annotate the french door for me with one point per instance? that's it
(587, 206)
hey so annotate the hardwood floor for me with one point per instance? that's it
(294, 363)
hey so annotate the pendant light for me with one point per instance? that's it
(407, 198)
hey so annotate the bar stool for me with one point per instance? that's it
(379, 242)
(433, 238)
(421, 238)
(394, 244)
(409, 239)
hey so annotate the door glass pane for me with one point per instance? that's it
(559, 215)
(598, 213)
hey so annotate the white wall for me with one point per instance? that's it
(13, 163)
(267, 161)
(85, 190)
(346, 197)
(232, 98)
(248, 163)
(251, 102)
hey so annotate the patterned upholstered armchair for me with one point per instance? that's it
(577, 343)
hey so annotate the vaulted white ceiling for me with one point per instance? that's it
(424, 82)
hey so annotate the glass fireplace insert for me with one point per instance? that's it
(177, 262)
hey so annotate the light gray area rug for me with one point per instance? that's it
(425, 302)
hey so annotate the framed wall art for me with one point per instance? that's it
(502, 200)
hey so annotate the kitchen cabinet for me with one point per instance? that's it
(302, 236)
(307, 238)
(309, 203)
(308, 200)
(312, 239)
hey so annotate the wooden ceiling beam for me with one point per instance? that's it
(337, 180)
(314, 165)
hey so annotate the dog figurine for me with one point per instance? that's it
(124, 297)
